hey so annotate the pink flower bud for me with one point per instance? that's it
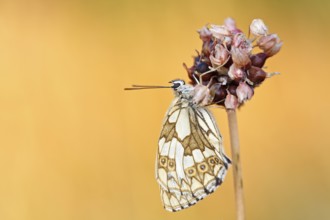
(244, 92)
(258, 27)
(270, 44)
(219, 56)
(240, 57)
(240, 41)
(235, 73)
(274, 50)
(230, 24)
(231, 101)
(219, 32)
(205, 34)
(202, 95)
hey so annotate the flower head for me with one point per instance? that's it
(228, 63)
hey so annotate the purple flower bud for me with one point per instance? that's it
(235, 73)
(258, 59)
(219, 56)
(258, 27)
(219, 94)
(231, 101)
(232, 89)
(270, 44)
(256, 75)
(205, 34)
(244, 92)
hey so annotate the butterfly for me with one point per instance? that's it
(190, 161)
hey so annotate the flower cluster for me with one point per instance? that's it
(228, 64)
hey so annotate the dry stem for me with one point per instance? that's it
(237, 168)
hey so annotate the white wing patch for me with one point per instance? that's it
(181, 125)
(190, 162)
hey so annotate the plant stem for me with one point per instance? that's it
(237, 168)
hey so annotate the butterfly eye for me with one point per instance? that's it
(177, 83)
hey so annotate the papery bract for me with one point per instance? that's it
(219, 31)
(258, 27)
(220, 55)
(231, 101)
(205, 34)
(270, 44)
(244, 92)
(235, 73)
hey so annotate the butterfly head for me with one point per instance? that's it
(177, 83)
(180, 88)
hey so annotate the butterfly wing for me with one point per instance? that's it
(190, 161)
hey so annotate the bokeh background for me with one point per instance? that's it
(75, 146)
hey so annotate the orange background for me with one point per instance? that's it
(75, 146)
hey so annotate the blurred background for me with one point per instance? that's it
(74, 145)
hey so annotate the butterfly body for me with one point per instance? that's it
(190, 162)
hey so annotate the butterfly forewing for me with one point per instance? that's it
(190, 160)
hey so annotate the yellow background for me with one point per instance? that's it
(75, 146)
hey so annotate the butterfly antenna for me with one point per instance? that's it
(139, 87)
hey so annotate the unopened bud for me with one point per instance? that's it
(240, 57)
(231, 101)
(244, 92)
(219, 95)
(235, 73)
(232, 89)
(258, 27)
(240, 41)
(258, 59)
(202, 95)
(220, 56)
(231, 25)
(201, 67)
(256, 75)
(205, 34)
(270, 44)
(219, 31)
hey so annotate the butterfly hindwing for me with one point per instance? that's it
(190, 160)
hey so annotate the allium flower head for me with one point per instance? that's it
(232, 70)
